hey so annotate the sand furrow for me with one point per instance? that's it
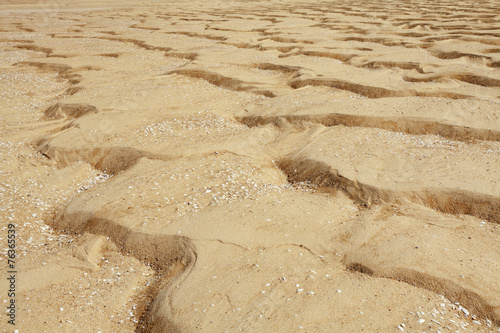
(400, 124)
(171, 257)
(222, 81)
(447, 200)
(371, 91)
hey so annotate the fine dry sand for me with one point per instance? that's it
(256, 166)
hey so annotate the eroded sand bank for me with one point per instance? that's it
(251, 166)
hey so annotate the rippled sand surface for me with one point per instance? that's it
(277, 166)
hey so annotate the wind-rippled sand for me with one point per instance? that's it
(253, 166)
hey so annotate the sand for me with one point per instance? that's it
(278, 166)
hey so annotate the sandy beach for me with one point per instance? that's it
(254, 166)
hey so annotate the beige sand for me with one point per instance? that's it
(278, 166)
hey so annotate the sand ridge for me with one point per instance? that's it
(251, 166)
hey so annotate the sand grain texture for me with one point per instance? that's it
(280, 166)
